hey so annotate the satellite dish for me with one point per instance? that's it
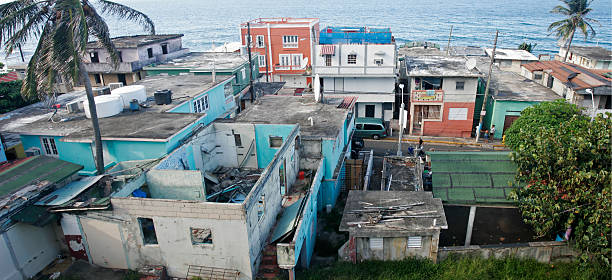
(304, 63)
(470, 64)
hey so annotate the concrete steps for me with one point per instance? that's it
(268, 269)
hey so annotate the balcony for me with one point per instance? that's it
(427, 96)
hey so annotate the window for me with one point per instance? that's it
(276, 141)
(49, 146)
(120, 56)
(352, 59)
(94, 57)
(537, 77)
(378, 61)
(147, 227)
(200, 104)
(296, 59)
(376, 243)
(459, 85)
(285, 61)
(201, 236)
(228, 89)
(237, 140)
(372, 127)
(290, 41)
(262, 61)
(248, 40)
(328, 60)
(243, 73)
(150, 52)
(164, 48)
(370, 111)
(261, 207)
(431, 112)
(98, 78)
(260, 41)
(414, 242)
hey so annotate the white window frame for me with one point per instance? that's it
(262, 60)
(260, 41)
(412, 241)
(201, 104)
(246, 40)
(49, 146)
(291, 41)
(348, 59)
(296, 58)
(285, 64)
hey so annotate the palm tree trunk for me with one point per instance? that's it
(568, 45)
(94, 117)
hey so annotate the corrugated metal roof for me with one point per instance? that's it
(570, 74)
(68, 192)
(9, 77)
(288, 220)
(472, 177)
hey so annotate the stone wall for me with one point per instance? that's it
(545, 252)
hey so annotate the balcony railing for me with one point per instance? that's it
(289, 67)
(427, 96)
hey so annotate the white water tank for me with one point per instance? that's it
(128, 93)
(106, 106)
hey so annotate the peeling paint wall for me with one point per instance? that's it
(394, 248)
(176, 184)
(26, 250)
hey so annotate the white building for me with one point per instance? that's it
(589, 57)
(367, 71)
(511, 60)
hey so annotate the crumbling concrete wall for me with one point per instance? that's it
(173, 220)
(176, 184)
(247, 150)
(394, 248)
(545, 252)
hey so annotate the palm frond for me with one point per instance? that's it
(28, 31)
(14, 17)
(125, 12)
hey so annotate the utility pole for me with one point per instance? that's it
(250, 62)
(21, 52)
(449, 40)
(486, 93)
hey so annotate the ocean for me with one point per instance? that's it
(208, 22)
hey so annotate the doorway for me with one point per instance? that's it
(508, 122)
(282, 172)
(121, 79)
(370, 111)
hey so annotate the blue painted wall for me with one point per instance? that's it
(79, 153)
(306, 235)
(265, 153)
(360, 35)
(2, 152)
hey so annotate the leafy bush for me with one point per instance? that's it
(10, 97)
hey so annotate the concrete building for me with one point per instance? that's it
(510, 93)
(442, 95)
(285, 46)
(587, 57)
(511, 60)
(360, 62)
(134, 53)
(587, 88)
(222, 64)
(151, 132)
(28, 239)
(410, 229)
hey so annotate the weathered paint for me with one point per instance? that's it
(219, 103)
(169, 184)
(498, 110)
(265, 153)
(26, 250)
(72, 236)
(104, 243)
(2, 152)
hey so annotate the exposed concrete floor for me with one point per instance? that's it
(500, 226)
(83, 270)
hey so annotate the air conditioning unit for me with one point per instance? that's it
(114, 86)
(74, 106)
(32, 152)
(101, 91)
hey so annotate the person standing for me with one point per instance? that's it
(493, 129)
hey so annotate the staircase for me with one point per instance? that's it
(268, 269)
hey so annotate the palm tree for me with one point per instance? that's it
(575, 12)
(62, 28)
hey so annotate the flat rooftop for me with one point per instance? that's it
(467, 51)
(280, 20)
(134, 41)
(370, 213)
(404, 173)
(439, 66)
(203, 61)
(328, 118)
(511, 86)
(597, 53)
(509, 54)
(417, 51)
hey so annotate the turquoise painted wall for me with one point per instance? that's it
(2, 153)
(500, 109)
(135, 150)
(265, 153)
(79, 153)
(219, 104)
(307, 233)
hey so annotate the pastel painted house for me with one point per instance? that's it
(219, 65)
(149, 133)
(442, 95)
(360, 62)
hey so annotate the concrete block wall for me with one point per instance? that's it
(545, 252)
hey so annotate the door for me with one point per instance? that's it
(121, 79)
(508, 122)
(105, 243)
(370, 111)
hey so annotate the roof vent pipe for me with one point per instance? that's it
(311, 121)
